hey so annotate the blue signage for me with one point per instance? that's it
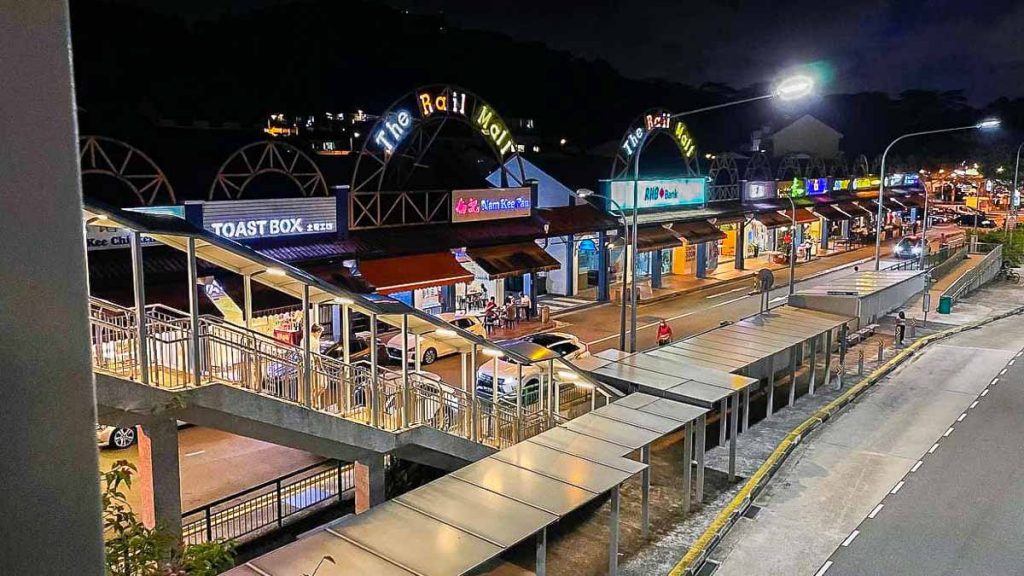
(817, 186)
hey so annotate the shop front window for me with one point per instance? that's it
(666, 261)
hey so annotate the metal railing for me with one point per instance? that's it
(977, 276)
(268, 506)
(224, 353)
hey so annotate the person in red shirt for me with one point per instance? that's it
(664, 333)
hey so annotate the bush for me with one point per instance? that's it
(1013, 252)
(134, 550)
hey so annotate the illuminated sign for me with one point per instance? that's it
(759, 190)
(839, 185)
(107, 237)
(659, 120)
(252, 219)
(398, 122)
(894, 180)
(866, 183)
(796, 189)
(666, 193)
(817, 186)
(490, 204)
(911, 180)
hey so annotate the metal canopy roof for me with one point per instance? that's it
(612, 431)
(862, 284)
(639, 418)
(354, 561)
(541, 492)
(574, 470)
(566, 440)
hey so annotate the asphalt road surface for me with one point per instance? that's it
(216, 464)
(959, 510)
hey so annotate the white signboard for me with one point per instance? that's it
(253, 219)
(667, 193)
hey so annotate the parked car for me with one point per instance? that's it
(281, 378)
(975, 221)
(909, 247)
(565, 345)
(118, 437)
(432, 347)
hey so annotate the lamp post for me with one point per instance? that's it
(789, 89)
(583, 193)
(983, 125)
(1014, 195)
(792, 243)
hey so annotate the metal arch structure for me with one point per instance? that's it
(403, 134)
(105, 156)
(816, 168)
(860, 166)
(876, 164)
(759, 167)
(723, 178)
(791, 166)
(644, 129)
(837, 168)
(267, 157)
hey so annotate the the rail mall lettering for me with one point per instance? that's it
(264, 228)
(661, 121)
(494, 129)
(396, 126)
(447, 101)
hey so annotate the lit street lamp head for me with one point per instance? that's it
(988, 124)
(794, 87)
(584, 192)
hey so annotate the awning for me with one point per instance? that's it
(656, 238)
(831, 213)
(855, 210)
(698, 232)
(390, 275)
(915, 200)
(772, 219)
(512, 259)
(803, 216)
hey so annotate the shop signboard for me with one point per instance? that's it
(759, 190)
(816, 186)
(912, 180)
(110, 237)
(796, 189)
(491, 204)
(839, 185)
(864, 183)
(663, 193)
(271, 218)
(894, 180)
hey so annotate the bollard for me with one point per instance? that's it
(881, 346)
(860, 363)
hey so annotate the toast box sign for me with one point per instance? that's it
(491, 204)
(663, 193)
(270, 218)
(399, 121)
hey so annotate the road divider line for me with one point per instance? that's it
(720, 294)
(824, 568)
(1003, 371)
(1011, 362)
(973, 404)
(947, 432)
(994, 382)
(984, 392)
(962, 416)
(916, 466)
(897, 487)
(850, 538)
(876, 511)
(933, 448)
(196, 453)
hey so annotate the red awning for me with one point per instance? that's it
(512, 259)
(698, 232)
(656, 238)
(390, 275)
(772, 219)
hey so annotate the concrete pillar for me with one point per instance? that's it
(159, 479)
(569, 267)
(845, 229)
(602, 266)
(645, 491)
(51, 524)
(702, 260)
(687, 468)
(370, 482)
(613, 534)
(823, 225)
(656, 269)
(541, 567)
(702, 425)
(741, 244)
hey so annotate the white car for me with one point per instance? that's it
(432, 348)
(119, 438)
(565, 345)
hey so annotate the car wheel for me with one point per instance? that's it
(429, 356)
(122, 438)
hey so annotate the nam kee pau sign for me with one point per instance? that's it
(491, 204)
(666, 193)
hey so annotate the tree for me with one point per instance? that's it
(134, 550)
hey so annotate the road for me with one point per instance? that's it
(959, 512)
(216, 464)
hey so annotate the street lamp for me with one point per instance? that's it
(789, 89)
(584, 193)
(983, 125)
(1014, 194)
(792, 243)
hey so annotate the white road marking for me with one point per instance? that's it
(779, 299)
(850, 538)
(933, 448)
(994, 382)
(897, 487)
(821, 571)
(876, 511)
(1003, 371)
(720, 294)
(1011, 362)
(1019, 354)
(984, 392)
(645, 326)
(197, 453)
(947, 432)
(973, 404)
(916, 466)
(962, 416)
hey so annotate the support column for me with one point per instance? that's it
(195, 354)
(702, 425)
(370, 482)
(569, 267)
(814, 365)
(733, 425)
(771, 387)
(541, 567)
(828, 355)
(746, 409)
(792, 374)
(307, 373)
(464, 381)
(823, 225)
(645, 491)
(346, 335)
(602, 266)
(336, 322)
(159, 479)
(656, 269)
(406, 404)
(687, 468)
(844, 229)
(702, 261)
(139, 286)
(556, 399)
(741, 245)
(723, 420)
(247, 299)
(372, 394)
(474, 409)
(613, 534)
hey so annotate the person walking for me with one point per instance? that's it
(901, 327)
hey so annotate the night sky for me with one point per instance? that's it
(976, 45)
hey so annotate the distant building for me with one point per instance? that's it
(806, 135)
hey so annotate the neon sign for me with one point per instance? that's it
(395, 127)
(493, 127)
(866, 183)
(660, 120)
(430, 103)
(817, 186)
(797, 188)
(839, 185)
(490, 204)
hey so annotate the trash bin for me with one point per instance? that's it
(945, 304)
(545, 314)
